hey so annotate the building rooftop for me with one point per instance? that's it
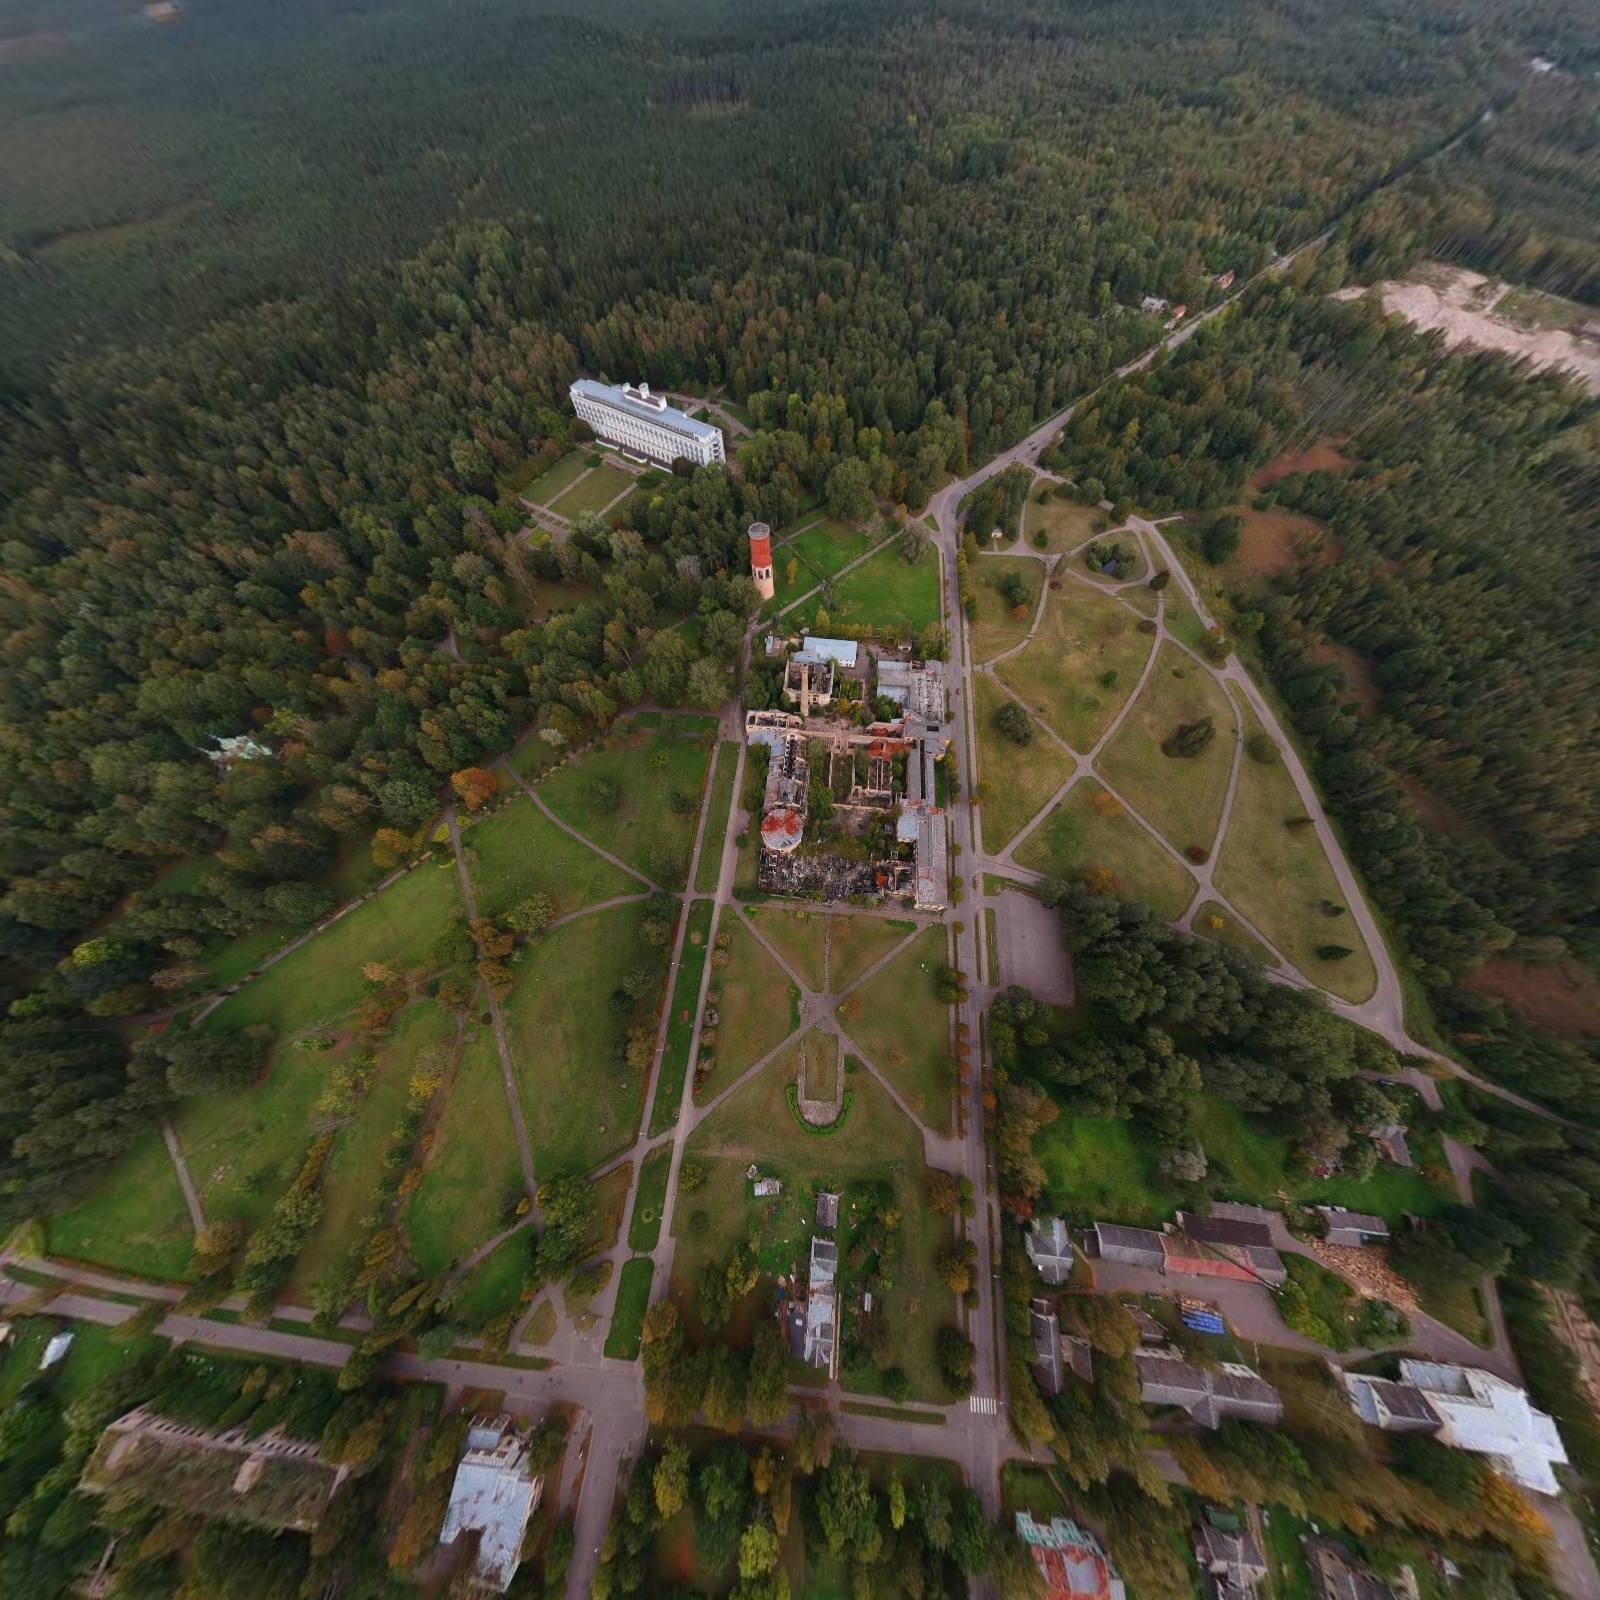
(1207, 1394)
(1225, 1230)
(822, 1298)
(842, 651)
(1487, 1415)
(640, 403)
(827, 1210)
(1049, 1247)
(1115, 1235)
(1361, 1223)
(494, 1495)
(1071, 1560)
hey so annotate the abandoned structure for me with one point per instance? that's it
(783, 816)
(269, 1480)
(1232, 1390)
(813, 1323)
(1070, 1559)
(494, 1494)
(1468, 1409)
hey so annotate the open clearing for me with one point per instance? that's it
(1081, 665)
(885, 593)
(638, 796)
(709, 869)
(1018, 779)
(1091, 838)
(1213, 920)
(519, 850)
(1562, 996)
(593, 492)
(133, 1220)
(1065, 523)
(826, 547)
(829, 952)
(898, 1020)
(322, 980)
(556, 480)
(685, 1003)
(757, 1006)
(1180, 795)
(582, 1102)
(1031, 952)
(473, 1173)
(1279, 877)
(996, 627)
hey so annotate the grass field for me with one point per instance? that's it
(519, 850)
(1181, 796)
(1065, 523)
(827, 547)
(1279, 877)
(644, 1226)
(133, 1220)
(582, 1104)
(680, 1021)
(721, 803)
(1020, 779)
(829, 952)
(1080, 839)
(558, 479)
(884, 593)
(1099, 1171)
(639, 798)
(876, 1142)
(322, 980)
(814, 1065)
(995, 628)
(472, 1168)
(353, 1167)
(1084, 639)
(905, 1029)
(756, 1006)
(1214, 921)
(495, 1284)
(593, 492)
(627, 1315)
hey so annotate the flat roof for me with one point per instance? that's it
(668, 417)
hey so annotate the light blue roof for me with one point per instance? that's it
(841, 650)
(668, 417)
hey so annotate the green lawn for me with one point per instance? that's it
(644, 1227)
(519, 850)
(905, 1029)
(245, 1148)
(548, 485)
(1214, 921)
(680, 1022)
(1019, 779)
(1280, 877)
(133, 1220)
(323, 980)
(1180, 795)
(1099, 1171)
(1084, 638)
(877, 1141)
(756, 1006)
(1066, 524)
(354, 1166)
(472, 1167)
(827, 546)
(638, 796)
(495, 1284)
(721, 803)
(627, 1315)
(884, 593)
(556, 595)
(995, 628)
(582, 1104)
(1084, 840)
(593, 491)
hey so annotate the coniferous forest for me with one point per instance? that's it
(289, 293)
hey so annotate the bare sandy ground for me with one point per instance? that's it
(1462, 304)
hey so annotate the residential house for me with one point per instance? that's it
(1337, 1574)
(1138, 1247)
(1070, 1558)
(1227, 1552)
(1232, 1390)
(1049, 1249)
(1352, 1229)
(1390, 1138)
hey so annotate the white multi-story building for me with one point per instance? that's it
(636, 420)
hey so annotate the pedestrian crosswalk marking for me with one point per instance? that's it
(985, 1405)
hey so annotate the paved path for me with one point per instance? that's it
(191, 1195)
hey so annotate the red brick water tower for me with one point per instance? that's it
(761, 558)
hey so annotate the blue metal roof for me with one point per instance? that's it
(668, 417)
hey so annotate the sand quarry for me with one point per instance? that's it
(1462, 305)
